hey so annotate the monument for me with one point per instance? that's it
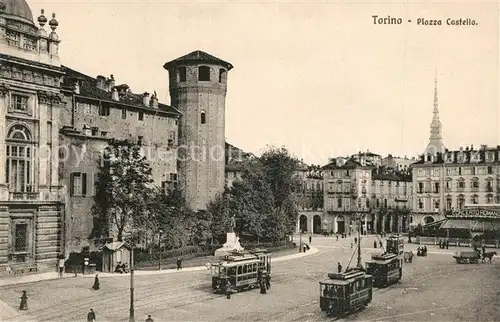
(232, 242)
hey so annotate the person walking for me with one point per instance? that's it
(268, 281)
(96, 285)
(179, 263)
(374, 244)
(61, 267)
(447, 244)
(337, 237)
(149, 319)
(24, 302)
(228, 289)
(339, 267)
(310, 238)
(91, 316)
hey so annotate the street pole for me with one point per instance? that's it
(159, 246)
(359, 242)
(132, 317)
(300, 240)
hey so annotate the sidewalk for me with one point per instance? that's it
(54, 275)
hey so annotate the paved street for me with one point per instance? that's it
(433, 289)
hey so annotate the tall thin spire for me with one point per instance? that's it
(436, 110)
(435, 140)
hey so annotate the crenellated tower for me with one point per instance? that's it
(198, 86)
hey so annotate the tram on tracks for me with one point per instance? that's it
(243, 270)
(344, 293)
(386, 269)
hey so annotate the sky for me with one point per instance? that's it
(319, 78)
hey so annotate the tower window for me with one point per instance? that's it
(182, 74)
(203, 117)
(141, 116)
(222, 75)
(204, 73)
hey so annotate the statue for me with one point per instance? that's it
(233, 223)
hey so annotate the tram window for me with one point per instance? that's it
(239, 270)
(244, 269)
(231, 271)
(254, 267)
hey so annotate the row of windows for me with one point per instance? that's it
(203, 74)
(79, 183)
(457, 171)
(489, 199)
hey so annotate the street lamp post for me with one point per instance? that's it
(300, 239)
(131, 316)
(159, 246)
(359, 240)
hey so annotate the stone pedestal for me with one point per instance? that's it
(232, 244)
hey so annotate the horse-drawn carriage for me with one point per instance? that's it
(408, 256)
(467, 257)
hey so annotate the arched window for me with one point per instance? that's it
(204, 73)
(19, 159)
(222, 76)
(181, 71)
(203, 117)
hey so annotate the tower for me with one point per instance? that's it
(436, 138)
(198, 85)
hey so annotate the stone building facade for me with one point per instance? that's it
(310, 199)
(96, 111)
(198, 86)
(363, 197)
(56, 122)
(454, 179)
(31, 194)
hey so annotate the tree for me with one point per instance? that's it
(279, 169)
(123, 186)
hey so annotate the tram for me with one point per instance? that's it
(386, 269)
(395, 245)
(242, 269)
(344, 293)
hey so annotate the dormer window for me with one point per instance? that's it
(204, 73)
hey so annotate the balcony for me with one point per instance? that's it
(23, 195)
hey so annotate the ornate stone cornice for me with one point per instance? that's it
(50, 98)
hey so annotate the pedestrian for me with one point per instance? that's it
(91, 316)
(24, 302)
(149, 319)
(483, 248)
(61, 267)
(374, 244)
(355, 240)
(337, 237)
(339, 267)
(209, 267)
(440, 244)
(228, 289)
(96, 286)
(447, 244)
(268, 281)
(179, 263)
(351, 244)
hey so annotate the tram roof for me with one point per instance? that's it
(236, 263)
(342, 282)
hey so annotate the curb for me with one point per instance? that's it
(53, 276)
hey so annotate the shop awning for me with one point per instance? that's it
(434, 224)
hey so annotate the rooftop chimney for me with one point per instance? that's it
(101, 83)
(145, 99)
(114, 95)
(111, 82)
(154, 101)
